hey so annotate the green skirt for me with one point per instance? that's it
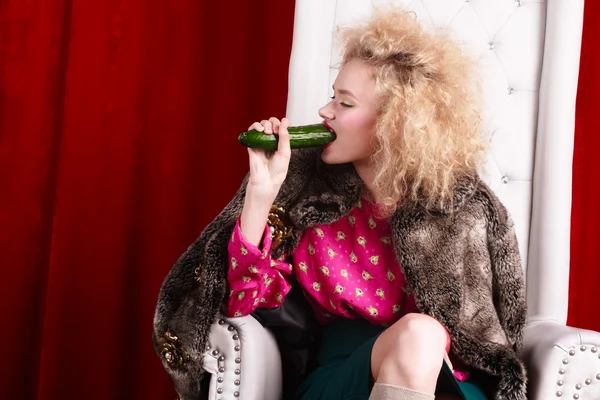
(343, 369)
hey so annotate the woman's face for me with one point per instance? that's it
(351, 113)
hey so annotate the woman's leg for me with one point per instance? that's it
(409, 356)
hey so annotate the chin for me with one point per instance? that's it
(330, 156)
(327, 157)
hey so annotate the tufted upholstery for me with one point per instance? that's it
(529, 54)
(507, 38)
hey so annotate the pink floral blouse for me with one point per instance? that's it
(346, 269)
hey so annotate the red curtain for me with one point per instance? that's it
(118, 144)
(585, 215)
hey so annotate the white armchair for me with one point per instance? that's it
(529, 51)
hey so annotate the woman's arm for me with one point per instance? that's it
(255, 279)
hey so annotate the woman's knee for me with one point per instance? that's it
(412, 349)
(421, 331)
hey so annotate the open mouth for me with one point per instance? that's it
(332, 130)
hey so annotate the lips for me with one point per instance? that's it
(328, 126)
(332, 130)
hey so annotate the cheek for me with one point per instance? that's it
(363, 125)
(361, 120)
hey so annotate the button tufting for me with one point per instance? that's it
(491, 45)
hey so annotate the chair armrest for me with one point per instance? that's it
(243, 360)
(562, 362)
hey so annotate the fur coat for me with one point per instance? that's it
(461, 262)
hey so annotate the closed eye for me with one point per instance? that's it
(343, 104)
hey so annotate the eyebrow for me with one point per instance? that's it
(344, 91)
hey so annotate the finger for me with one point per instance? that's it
(275, 123)
(283, 147)
(255, 158)
(256, 126)
(268, 126)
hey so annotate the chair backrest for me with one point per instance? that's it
(529, 54)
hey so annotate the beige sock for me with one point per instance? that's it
(383, 391)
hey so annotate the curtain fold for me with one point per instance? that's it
(585, 215)
(118, 144)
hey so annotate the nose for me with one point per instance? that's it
(326, 112)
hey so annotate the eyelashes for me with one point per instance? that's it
(343, 104)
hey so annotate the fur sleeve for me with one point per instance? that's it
(508, 274)
(191, 296)
(192, 293)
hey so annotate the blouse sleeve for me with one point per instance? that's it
(255, 279)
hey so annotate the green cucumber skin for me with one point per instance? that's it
(301, 137)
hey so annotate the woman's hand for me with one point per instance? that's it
(268, 170)
(267, 173)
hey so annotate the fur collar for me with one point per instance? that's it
(335, 189)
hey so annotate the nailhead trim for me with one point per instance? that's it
(221, 359)
(562, 371)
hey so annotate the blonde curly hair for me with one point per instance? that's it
(429, 115)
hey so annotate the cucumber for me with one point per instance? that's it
(301, 137)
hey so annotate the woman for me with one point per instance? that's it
(408, 259)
